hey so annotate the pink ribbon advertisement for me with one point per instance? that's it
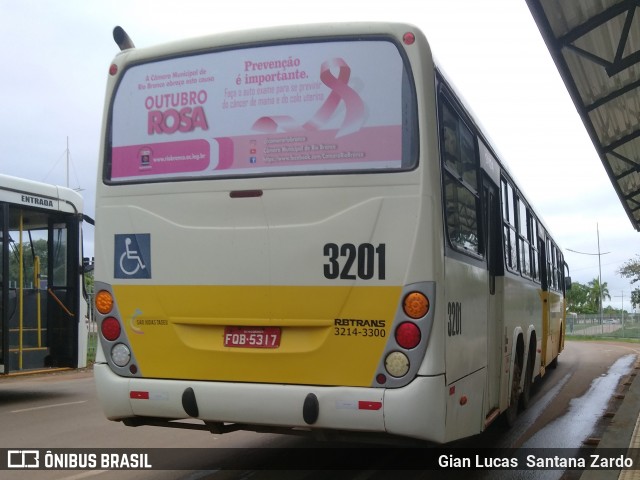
(312, 107)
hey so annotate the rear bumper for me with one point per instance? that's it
(415, 410)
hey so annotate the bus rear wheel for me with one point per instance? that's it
(511, 413)
(525, 397)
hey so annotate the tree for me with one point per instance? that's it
(597, 294)
(631, 269)
(89, 282)
(635, 298)
(578, 299)
(29, 250)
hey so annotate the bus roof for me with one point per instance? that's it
(40, 195)
(266, 34)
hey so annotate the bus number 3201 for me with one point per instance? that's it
(350, 262)
(454, 325)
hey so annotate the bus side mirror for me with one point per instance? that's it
(567, 283)
(87, 264)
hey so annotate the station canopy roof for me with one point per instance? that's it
(596, 47)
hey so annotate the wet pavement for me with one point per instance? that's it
(583, 417)
(622, 433)
(570, 430)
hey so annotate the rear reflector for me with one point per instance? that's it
(139, 395)
(363, 405)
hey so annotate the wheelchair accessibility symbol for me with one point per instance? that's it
(132, 255)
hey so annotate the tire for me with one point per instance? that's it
(511, 413)
(525, 397)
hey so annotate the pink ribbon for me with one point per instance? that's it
(340, 92)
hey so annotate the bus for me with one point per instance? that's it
(43, 304)
(305, 230)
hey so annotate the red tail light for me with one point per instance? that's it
(408, 335)
(110, 328)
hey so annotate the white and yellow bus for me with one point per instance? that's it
(43, 304)
(303, 229)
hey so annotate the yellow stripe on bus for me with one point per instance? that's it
(552, 327)
(329, 335)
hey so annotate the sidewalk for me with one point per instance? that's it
(623, 432)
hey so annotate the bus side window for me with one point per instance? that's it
(542, 255)
(524, 246)
(535, 255)
(460, 182)
(559, 270)
(552, 265)
(509, 219)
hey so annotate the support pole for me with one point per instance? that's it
(20, 294)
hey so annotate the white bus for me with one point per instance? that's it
(43, 306)
(303, 229)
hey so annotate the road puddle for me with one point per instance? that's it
(570, 430)
(575, 426)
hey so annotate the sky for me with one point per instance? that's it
(56, 56)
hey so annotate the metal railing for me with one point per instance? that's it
(610, 326)
(92, 340)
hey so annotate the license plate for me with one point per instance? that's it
(252, 337)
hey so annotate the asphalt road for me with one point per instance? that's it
(61, 411)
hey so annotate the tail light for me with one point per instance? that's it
(406, 348)
(113, 336)
(416, 305)
(104, 302)
(110, 328)
(408, 335)
(120, 354)
(397, 364)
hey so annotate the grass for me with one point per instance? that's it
(594, 338)
(630, 333)
(92, 345)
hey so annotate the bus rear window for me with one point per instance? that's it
(309, 108)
